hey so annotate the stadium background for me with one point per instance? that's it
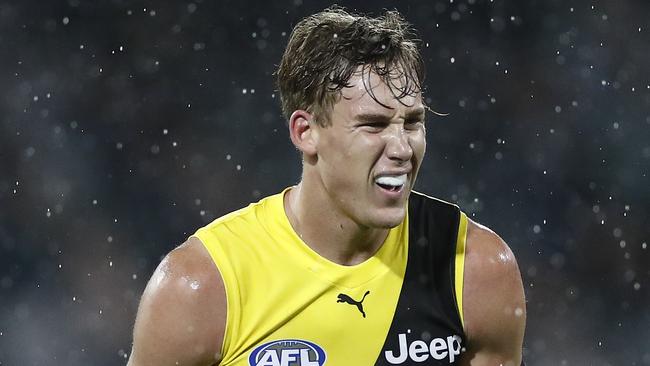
(126, 125)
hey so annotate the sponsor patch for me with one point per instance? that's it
(420, 351)
(287, 352)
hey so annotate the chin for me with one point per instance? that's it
(388, 219)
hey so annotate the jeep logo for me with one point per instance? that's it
(420, 351)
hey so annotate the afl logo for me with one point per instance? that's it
(287, 352)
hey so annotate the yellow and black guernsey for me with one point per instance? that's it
(288, 306)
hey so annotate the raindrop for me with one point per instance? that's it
(629, 275)
(532, 271)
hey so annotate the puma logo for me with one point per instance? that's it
(359, 304)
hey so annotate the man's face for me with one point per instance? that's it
(368, 155)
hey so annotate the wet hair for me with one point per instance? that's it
(327, 48)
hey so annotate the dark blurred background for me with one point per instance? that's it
(125, 126)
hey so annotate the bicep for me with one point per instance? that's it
(495, 309)
(180, 319)
(487, 357)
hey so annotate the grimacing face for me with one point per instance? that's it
(368, 156)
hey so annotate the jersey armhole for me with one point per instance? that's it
(211, 244)
(459, 265)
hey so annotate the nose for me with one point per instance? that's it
(398, 146)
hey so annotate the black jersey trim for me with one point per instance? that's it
(426, 309)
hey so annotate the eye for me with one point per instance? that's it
(373, 126)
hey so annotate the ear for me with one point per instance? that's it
(302, 132)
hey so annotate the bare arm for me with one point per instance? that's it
(494, 303)
(182, 313)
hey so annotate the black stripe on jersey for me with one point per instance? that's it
(426, 309)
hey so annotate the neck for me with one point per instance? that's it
(326, 230)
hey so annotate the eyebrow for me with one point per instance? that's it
(373, 117)
(381, 117)
(416, 113)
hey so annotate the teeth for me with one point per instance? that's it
(391, 180)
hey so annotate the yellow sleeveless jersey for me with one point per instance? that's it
(288, 306)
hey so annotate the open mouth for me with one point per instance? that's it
(392, 183)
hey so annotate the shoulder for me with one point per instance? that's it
(494, 305)
(488, 255)
(189, 272)
(181, 317)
